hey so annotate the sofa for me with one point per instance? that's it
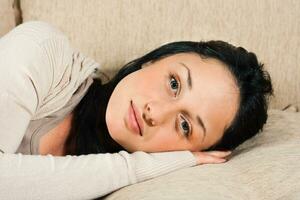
(114, 32)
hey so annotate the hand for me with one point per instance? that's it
(211, 157)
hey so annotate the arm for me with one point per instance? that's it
(23, 84)
(82, 177)
(39, 72)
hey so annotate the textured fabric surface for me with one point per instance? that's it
(7, 18)
(263, 168)
(115, 32)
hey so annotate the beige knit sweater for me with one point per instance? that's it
(38, 75)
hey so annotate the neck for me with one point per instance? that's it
(54, 142)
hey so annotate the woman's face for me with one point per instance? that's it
(184, 102)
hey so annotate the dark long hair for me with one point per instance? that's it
(89, 134)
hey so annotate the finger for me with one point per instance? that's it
(219, 154)
(208, 159)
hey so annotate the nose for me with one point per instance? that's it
(155, 113)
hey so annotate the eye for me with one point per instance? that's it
(174, 84)
(185, 127)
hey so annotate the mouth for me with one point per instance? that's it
(134, 121)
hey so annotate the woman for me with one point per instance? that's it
(161, 112)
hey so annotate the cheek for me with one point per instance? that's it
(115, 127)
(163, 141)
(146, 85)
(149, 84)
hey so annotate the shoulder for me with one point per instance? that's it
(38, 31)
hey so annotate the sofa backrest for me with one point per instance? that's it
(7, 16)
(115, 32)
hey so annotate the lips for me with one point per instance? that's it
(138, 117)
(134, 122)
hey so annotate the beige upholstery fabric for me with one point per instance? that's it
(265, 167)
(117, 31)
(7, 18)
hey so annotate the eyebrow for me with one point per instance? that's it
(190, 86)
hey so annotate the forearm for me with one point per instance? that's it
(82, 177)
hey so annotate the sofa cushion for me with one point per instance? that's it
(7, 16)
(264, 167)
(114, 32)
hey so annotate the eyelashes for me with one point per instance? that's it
(175, 86)
(174, 83)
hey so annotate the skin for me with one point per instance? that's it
(53, 142)
(214, 97)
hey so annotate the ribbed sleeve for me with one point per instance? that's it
(154, 164)
(82, 177)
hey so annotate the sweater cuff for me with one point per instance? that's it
(150, 165)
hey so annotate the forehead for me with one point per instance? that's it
(207, 73)
(192, 57)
